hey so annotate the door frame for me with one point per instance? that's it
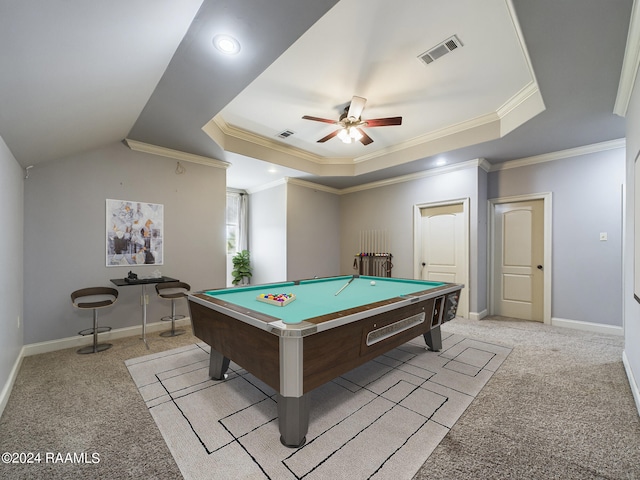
(546, 197)
(417, 240)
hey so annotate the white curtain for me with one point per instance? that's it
(237, 221)
(243, 222)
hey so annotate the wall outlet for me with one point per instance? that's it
(603, 236)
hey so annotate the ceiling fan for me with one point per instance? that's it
(351, 123)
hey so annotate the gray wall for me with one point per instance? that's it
(294, 233)
(313, 233)
(11, 257)
(631, 307)
(65, 234)
(390, 208)
(587, 200)
(268, 234)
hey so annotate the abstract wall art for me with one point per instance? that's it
(135, 233)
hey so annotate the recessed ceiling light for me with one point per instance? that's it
(226, 44)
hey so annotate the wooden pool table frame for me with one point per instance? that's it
(294, 359)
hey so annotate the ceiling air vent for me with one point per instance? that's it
(441, 49)
(285, 134)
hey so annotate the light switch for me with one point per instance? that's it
(603, 236)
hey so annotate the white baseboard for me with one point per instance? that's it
(632, 381)
(477, 316)
(79, 341)
(8, 386)
(71, 342)
(587, 326)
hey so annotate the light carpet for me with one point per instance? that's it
(381, 420)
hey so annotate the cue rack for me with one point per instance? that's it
(370, 261)
(373, 264)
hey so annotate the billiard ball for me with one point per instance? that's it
(373, 283)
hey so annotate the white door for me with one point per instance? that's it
(444, 248)
(518, 260)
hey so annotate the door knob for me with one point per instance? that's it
(423, 264)
(540, 267)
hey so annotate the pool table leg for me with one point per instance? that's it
(293, 418)
(433, 338)
(218, 365)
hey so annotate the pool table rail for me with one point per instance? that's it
(320, 323)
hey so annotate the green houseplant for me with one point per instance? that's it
(241, 267)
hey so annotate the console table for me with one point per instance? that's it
(127, 282)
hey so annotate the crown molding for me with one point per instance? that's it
(461, 127)
(518, 99)
(549, 157)
(295, 181)
(478, 162)
(313, 186)
(175, 154)
(630, 63)
(267, 186)
(241, 134)
(484, 165)
(494, 117)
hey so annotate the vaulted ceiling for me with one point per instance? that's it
(525, 78)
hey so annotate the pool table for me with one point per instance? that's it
(333, 325)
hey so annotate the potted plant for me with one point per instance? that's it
(241, 268)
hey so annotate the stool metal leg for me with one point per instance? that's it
(95, 348)
(173, 332)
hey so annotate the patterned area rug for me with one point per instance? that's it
(379, 421)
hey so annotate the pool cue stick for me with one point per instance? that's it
(345, 286)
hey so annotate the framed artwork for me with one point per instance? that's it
(135, 233)
(636, 229)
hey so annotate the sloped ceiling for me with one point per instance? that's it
(531, 77)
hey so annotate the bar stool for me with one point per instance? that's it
(94, 298)
(172, 291)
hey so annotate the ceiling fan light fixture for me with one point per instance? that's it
(226, 44)
(344, 135)
(355, 133)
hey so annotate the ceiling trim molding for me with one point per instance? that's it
(484, 165)
(630, 63)
(175, 154)
(549, 157)
(481, 163)
(518, 99)
(468, 127)
(239, 133)
(523, 43)
(311, 185)
(267, 186)
(433, 136)
(478, 162)
(295, 181)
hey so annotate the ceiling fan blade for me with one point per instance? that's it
(383, 122)
(365, 139)
(328, 137)
(318, 119)
(356, 107)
